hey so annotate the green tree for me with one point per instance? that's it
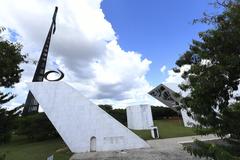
(36, 127)
(119, 114)
(106, 107)
(10, 74)
(213, 81)
(159, 112)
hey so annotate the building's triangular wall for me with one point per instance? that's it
(79, 121)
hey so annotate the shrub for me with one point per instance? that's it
(3, 157)
(7, 123)
(163, 112)
(36, 127)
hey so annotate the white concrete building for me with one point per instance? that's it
(83, 125)
(139, 117)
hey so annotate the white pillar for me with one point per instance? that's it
(139, 117)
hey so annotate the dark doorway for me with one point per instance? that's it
(93, 144)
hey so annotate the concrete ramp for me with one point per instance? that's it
(83, 125)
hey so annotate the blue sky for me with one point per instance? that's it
(160, 30)
(97, 43)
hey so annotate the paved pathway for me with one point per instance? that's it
(171, 144)
(162, 149)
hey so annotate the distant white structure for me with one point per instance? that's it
(187, 121)
(139, 117)
(83, 125)
(165, 94)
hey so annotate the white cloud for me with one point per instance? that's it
(84, 47)
(163, 68)
(176, 77)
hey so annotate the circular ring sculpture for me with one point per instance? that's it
(59, 72)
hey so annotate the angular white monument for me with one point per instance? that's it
(83, 125)
(187, 121)
(165, 94)
(139, 117)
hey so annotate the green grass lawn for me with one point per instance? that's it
(21, 149)
(167, 129)
(173, 128)
(144, 134)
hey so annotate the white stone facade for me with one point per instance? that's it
(83, 125)
(139, 117)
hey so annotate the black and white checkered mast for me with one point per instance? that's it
(31, 105)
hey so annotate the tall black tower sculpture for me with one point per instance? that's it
(31, 105)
